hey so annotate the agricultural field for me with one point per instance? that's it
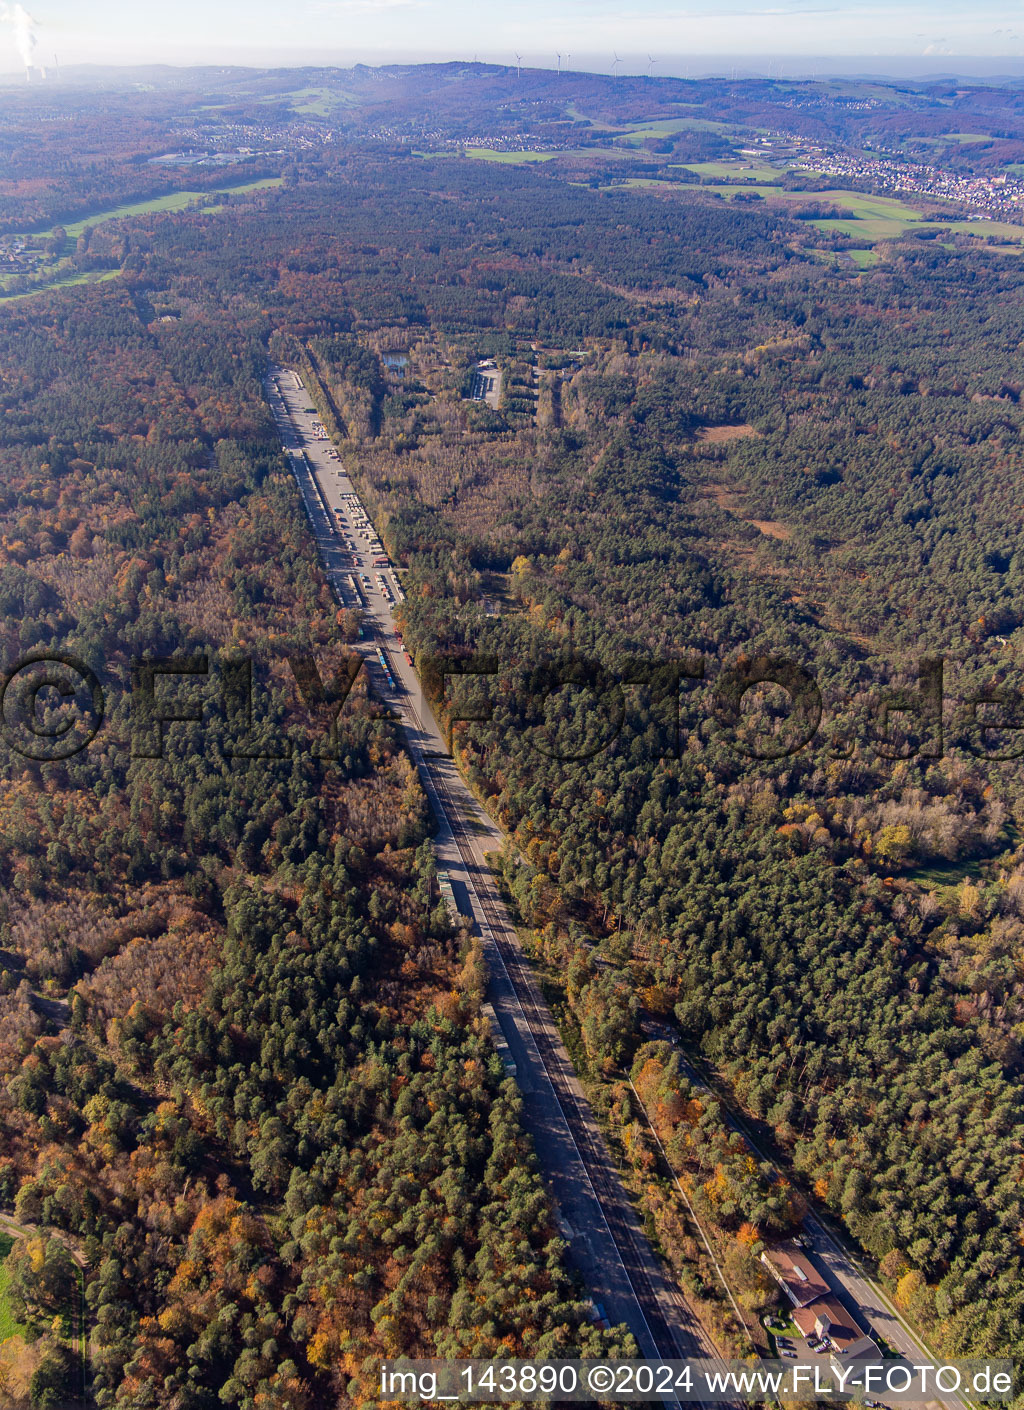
(875, 218)
(597, 124)
(999, 228)
(642, 183)
(862, 258)
(488, 154)
(963, 138)
(174, 201)
(317, 102)
(747, 170)
(872, 218)
(89, 277)
(881, 218)
(633, 136)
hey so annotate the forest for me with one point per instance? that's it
(245, 1085)
(246, 1090)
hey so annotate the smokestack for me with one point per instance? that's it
(24, 27)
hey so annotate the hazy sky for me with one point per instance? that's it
(340, 31)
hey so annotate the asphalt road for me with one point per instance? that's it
(607, 1242)
(855, 1290)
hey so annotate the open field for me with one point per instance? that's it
(734, 431)
(882, 213)
(861, 259)
(872, 218)
(488, 154)
(174, 201)
(633, 136)
(90, 277)
(8, 1326)
(318, 101)
(748, 170)
(654, 127)
(963, 138)
(265, 183)
(1001, 228)
(271, 181)
(884, 226)
(861, 89)
(946, 877)
(645, 183)
(876, 217)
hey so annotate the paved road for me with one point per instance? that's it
(855, 1290)
(607, 1242)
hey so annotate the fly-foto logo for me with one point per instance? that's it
(53, 704)
(911, 720)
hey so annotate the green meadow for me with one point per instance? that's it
(862, 258)
(872, 219)
(90, 277)
(488, 154)
(173, 201)
(633, 136)
(875, 218)
(963, 138)
(9, 1326)
(747, 170)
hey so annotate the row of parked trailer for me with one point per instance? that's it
(405, 650)
(385, 666)
(390, 588)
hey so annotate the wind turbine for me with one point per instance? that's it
(559, 66)
(651, 61)
(519, 65)
(567, 59)
(615, 66)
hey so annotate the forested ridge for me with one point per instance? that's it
(244, 1076)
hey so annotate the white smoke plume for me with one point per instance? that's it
(24, 27)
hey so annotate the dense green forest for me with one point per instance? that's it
(245, 1086)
